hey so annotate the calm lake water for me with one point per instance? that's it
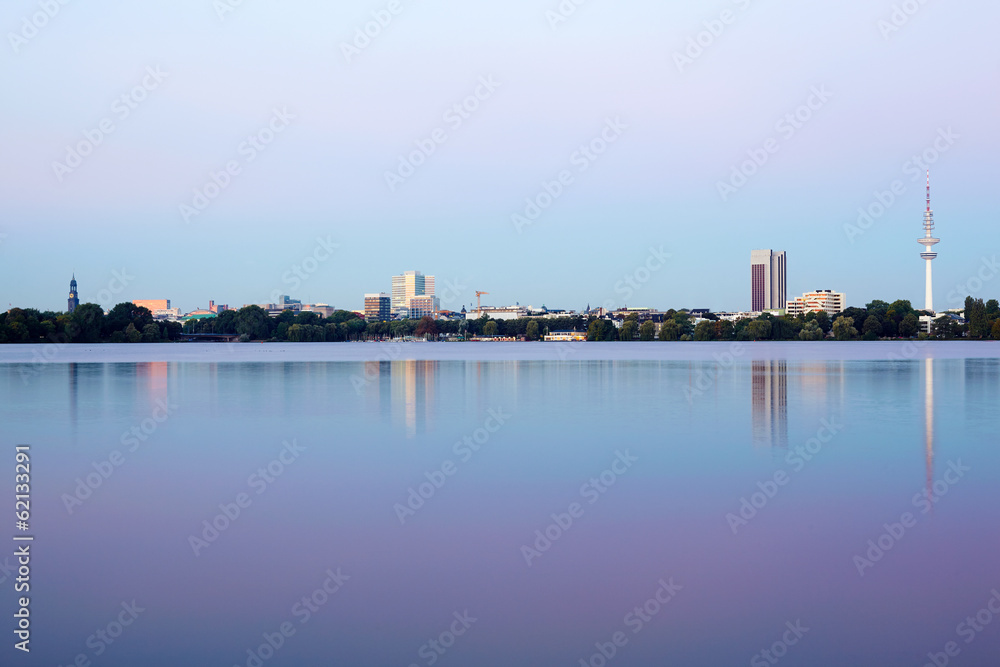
(508, 504)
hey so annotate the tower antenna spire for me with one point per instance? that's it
(928, 189)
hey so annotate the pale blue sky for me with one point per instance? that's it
(656, 185)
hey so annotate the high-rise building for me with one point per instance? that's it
(378, 307)
(768, 280)
(411, 283)
(74, 296)
(822, 299)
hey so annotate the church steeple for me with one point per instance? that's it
(74, 297)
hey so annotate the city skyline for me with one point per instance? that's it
(738, 149)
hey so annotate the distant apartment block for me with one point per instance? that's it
(826, 300)
(498, 313)
(410, 284)
(378, 307)
(768, 280)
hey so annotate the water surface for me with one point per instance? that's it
(644, 461)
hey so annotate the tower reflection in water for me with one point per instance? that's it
(770, 403)
(929, 422)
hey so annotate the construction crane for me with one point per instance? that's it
(479, 305)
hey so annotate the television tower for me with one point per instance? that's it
(927, 241)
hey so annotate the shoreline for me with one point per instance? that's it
(716, 351)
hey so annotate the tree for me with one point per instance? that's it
(823, 321)
(878, 309)
(87, 320)
(428, 328)
(307, 317)
(811, 331)
(975, 315)
(996, 330)
(993, 309)
(132, 334)
(531, 330)
(669, 331)
(942, 327)
(254, 322)
(601, 330)
(725, 330)
(629, 330)
(225, 322)
(843, 328)
(704, 330)
(910, 325)
(150, 333)
(872, 327)
(683, 321)
(759, 329)
(490, 329)
(647, 331)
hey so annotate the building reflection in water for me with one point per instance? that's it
(406, 389)
(770, 403)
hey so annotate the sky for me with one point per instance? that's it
(233, 151)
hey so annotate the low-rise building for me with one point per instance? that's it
(826, 300)
(322, 309)
(498, 313)
(561, 336)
